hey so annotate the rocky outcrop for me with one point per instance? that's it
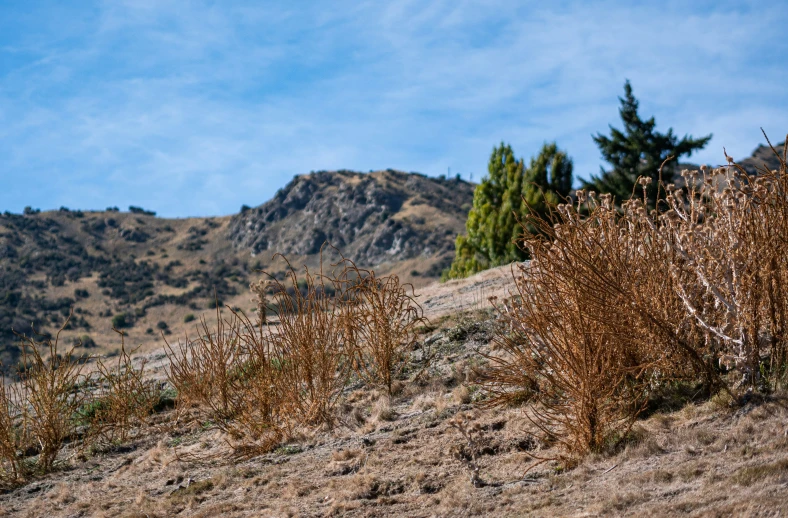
(763, 156)
(373, 218)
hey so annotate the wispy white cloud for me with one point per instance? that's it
(190, 107)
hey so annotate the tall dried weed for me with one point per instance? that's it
(121, 401)
(258, 382)
(38, 411)
(383, 322)
(616, 303)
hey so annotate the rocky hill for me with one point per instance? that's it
(146, 274)
(763, 156)
(375, 218)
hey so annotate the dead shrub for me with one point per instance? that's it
(207, 371)
(559, 344)
(383, 319)
(48, 397)
(469, 451)
(54, 403)
(258, 382)
(13, 435)
(228, 377)
(311, 349)
(122, 401)
(730, 231)
(617, 305)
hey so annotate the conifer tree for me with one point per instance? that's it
(638, 150)
(501, 199)
(549, 180)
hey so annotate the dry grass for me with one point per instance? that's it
(259, 382)
(615, 307)
(122, 401)
(47, 399)
(227, 378)
(405, 467)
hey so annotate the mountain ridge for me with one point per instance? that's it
(149, 273)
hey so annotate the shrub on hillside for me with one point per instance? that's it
(257, 384)
(383, 319)
(122, 320)
(617, 304)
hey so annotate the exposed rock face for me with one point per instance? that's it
(372, 218)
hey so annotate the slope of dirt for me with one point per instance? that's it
(407, 459)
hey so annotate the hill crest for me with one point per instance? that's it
(158, 272)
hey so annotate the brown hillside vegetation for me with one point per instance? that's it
(159, 272)
(637, 364)
(405, 456)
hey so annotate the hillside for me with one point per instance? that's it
(483, 414)
(150, 274)
(696, 458)
(157, 272)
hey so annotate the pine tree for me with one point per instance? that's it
(549, 180)
(501, 199)
(637, 151)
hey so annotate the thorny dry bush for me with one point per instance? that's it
(469, 452)
(45, 401)
(731, 234)
(258, 382)
(55, 403)
(121, 401)
(617, 303)
(383, 322)
(312, 346)
(226, 377)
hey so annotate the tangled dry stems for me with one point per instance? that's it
(619, 302)
(383, 321)
(469, 452)
(55, 403)
(43, 404)
(257, 382)
(122, 399)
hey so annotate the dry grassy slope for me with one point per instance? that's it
(397, 222)
(702, 460)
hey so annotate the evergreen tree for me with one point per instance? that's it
(504, 197)
(549, 181)
(638, 150)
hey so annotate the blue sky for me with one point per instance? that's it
(192, 108)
